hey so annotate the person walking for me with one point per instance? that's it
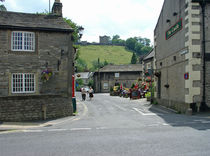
(83, 92)
(90, 93)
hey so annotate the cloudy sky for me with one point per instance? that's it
(126, 18)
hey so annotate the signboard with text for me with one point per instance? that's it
(174, 29)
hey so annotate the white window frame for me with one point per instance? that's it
(106, 85)
(116, 74)
(23, 83)
(24, 42)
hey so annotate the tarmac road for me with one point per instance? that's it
(112, 126)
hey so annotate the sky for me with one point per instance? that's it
(126, 18)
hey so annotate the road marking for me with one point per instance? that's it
(99, 128)
(56, 130)
(79, 129)
(33, 130)
(149, 113)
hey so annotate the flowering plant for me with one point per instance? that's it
(46, 74)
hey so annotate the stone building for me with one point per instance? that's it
(105, 40)
(36, 58)
(148, 65)
(178, 38)
(112, 75)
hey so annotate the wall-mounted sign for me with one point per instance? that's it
(174, 29)
(186, 76)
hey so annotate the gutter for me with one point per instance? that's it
(36, 28)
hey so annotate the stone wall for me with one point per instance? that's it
(53, 50)
(29, 108)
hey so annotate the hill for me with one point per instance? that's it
(112, 54)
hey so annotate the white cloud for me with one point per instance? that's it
(127, 18)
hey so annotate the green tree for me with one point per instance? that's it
(138, 48)
(134, 58)
(117, 41)
(90, 83)
(81, 65)
(146, 49)
(2, 7)
(130, 43)
(77, 29)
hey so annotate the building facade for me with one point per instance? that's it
(104, 40)
(112, 75)
(179, 59)
(36, 58)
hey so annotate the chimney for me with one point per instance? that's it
(57, 8)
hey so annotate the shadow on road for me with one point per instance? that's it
(200, 121)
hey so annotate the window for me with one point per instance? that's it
(23, 41)
(116, 74)
(23, 83)
(106, 86)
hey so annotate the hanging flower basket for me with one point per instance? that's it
(46, 74)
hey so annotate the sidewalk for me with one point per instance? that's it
(11, 126)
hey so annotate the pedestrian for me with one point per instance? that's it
(90, 93)
(83, 92)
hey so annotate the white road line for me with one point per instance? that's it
(33, 130)
(136, 109)
(101, 128)
(56, 130)
(79, 129)
(205, 122)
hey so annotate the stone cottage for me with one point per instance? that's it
(182, 52)
(112, 75)
(36, 58)
(148, 65)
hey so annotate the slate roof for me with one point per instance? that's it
(150, 55)
(122, 68)
(26, 21)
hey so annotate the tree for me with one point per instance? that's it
(77, 29)
(130, 43)
(146, 49)
(81, 65)
(138, 48)
(117, 41)
(2, 7)
(133, 59)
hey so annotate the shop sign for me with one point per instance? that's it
(174, 29)
(186, 76)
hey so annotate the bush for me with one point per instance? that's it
(148, 95)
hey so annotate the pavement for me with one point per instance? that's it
(13, 126)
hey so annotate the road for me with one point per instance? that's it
(112, 126)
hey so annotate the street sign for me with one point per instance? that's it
(186, 76)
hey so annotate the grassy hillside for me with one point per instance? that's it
(112, 54)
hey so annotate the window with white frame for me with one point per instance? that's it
(106, 85)
(22, 41)
(23, 83)
(116, 74)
